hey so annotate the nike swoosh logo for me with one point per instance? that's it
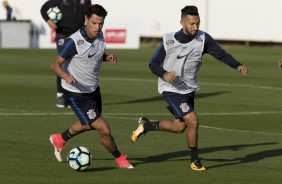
(91, 55)
(179, 57)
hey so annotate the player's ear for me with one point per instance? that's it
(85, 20)
(182, 22)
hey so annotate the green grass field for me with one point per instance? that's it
(240, 134)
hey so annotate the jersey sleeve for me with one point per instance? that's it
(212, 48)
(69, 49)
(156, 63)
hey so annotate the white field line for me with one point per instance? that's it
(155, 81)
(241, 131)
(242, 85)
(128, 116)
(115, 115)
(201, 83)
(204, 126)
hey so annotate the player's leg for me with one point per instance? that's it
(79, 103)
(108, 141)
(192, 122)
(59, 140)
(175, 126)
(61, 101)
(104, 131)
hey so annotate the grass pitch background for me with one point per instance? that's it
(240, 134)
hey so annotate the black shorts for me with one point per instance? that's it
(86, 106)
(180, 104)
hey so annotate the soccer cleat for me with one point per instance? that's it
(197, 166)
(60, 102)
(140, 129)
(58, 144)
(123, 163)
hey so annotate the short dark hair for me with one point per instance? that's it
(97, 10)
(189, 10)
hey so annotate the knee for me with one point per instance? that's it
(193, 124)
(105, 132)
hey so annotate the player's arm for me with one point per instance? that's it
(212, 48)
(56, 66)
(156, 65)
(68, 51)
(111, 57)
(45, 7)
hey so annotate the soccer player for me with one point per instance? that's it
(78, 65)
(176, 63)
(73, 12)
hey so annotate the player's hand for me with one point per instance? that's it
(51, 24)
(169, 77)
(243, 69)
(112, 58)
(70, 79)
(280, 63)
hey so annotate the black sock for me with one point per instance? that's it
(151, 126)
(116, 154)
(194, 153)
(66, 135)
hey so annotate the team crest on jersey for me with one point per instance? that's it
(184, 107)
(61, 42)
(91, 114)
(169, 42)
(80, 42)
(199, 40)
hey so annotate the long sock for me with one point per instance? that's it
(66, 135)
(194, 153)
(116, 154)
(151, 126)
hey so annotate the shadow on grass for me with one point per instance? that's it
(254, 157)
(161, 98)
(95, 169)
(98, 169)
(176, 156)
